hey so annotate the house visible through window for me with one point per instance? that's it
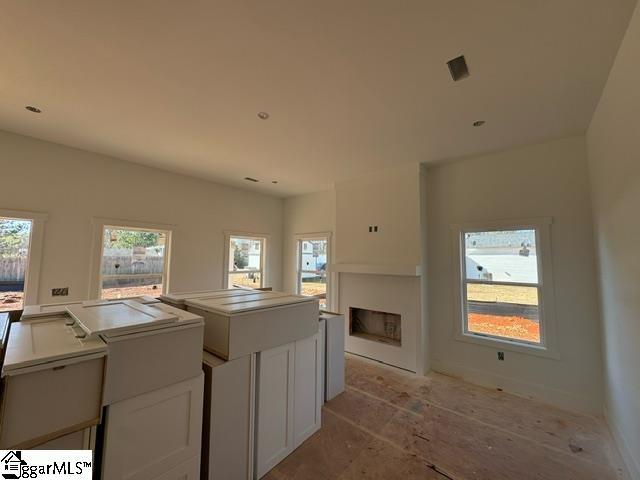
(15, 244)
(312, 268)
(246, 261)
(134, 262)
(501, 285)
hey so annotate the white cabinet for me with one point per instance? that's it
(274, 416)
(151, 434)
(84, 439)
(245, 324)
(289, 399)
(308, 382)
(334, 354)
(51, 383)
(150, 347)
(227, 420)
(189, 470)
(179, 300)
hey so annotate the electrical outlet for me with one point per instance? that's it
(501, 356)
(375, 228)
(370, 228)
(60, 292)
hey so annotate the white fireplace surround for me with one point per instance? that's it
(390, 289)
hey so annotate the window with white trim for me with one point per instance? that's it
(15, 249)
(133, 261)
(313, 259)
(502, 288)
(246, 261)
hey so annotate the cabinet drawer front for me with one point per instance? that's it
(46, 404)
(175, 355)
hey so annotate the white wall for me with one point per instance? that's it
(613, 142)
(388, 198)
(546, 180)
(303, 214)
(73, 186)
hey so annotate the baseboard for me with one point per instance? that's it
(558, 398)
(633, 469)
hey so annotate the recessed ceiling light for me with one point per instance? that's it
(249, 179)
(33, 109)
(479, 123)
(263, 115)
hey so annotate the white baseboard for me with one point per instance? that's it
(633, 469)
(558, 398)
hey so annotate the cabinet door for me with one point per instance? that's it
(274, 432)
(80, 440)
(307, 387)
(152, 433)
(228, 421)
(189, 470)
(334, 361)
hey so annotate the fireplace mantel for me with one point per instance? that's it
(371, 269)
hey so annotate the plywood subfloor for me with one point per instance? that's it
(390, 424)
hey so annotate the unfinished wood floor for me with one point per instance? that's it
(391, 424)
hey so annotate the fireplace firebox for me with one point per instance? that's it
(375, 325)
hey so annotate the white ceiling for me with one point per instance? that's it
(351, 85)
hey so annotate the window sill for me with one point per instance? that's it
(504, 344)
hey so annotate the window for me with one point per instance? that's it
(134, 262)
(21, 238)
(15, 241)
(313, 260)
(503, 283)
(245, 261)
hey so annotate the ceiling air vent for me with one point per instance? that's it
(458, 68)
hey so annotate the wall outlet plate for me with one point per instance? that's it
(60, 292)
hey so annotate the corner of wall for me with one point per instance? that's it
(424, 359)
(633, 468)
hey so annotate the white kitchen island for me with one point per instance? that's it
(263, 365)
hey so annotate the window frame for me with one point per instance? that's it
(34, 259)
(99, 224)
(263, 238)
(546, 302)
(298, 239)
